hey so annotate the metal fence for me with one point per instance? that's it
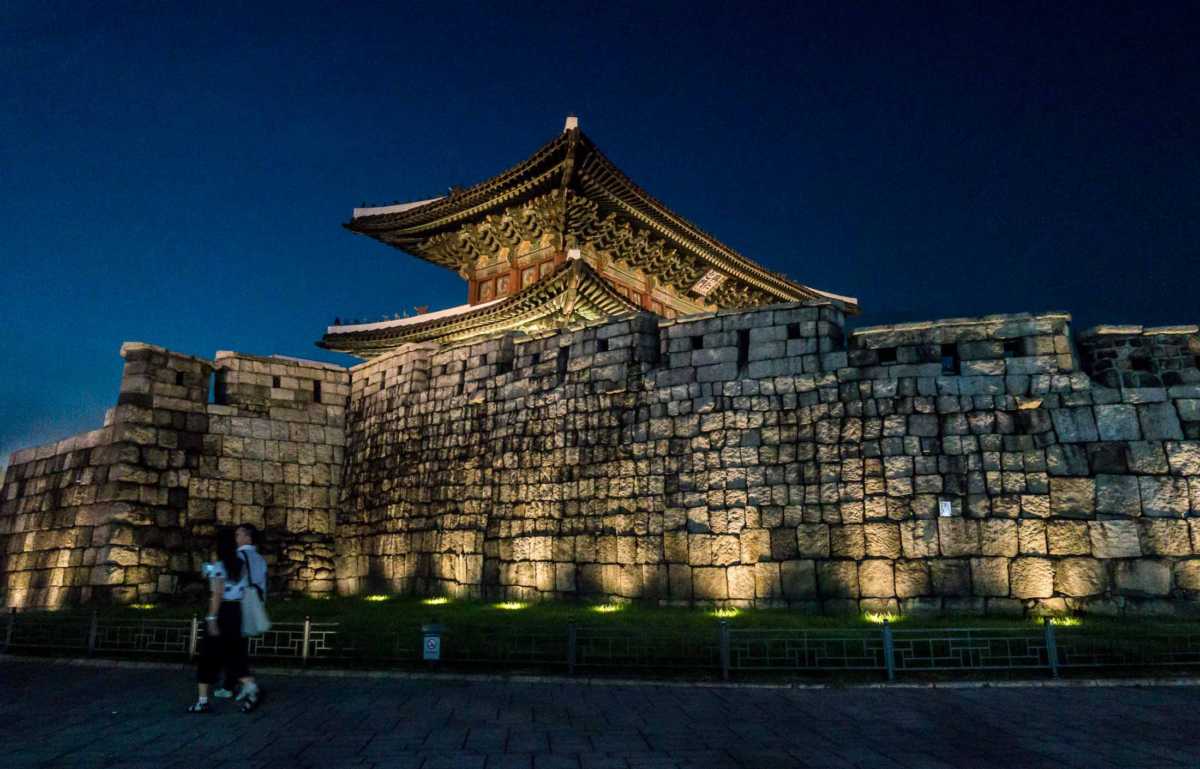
(884, 651)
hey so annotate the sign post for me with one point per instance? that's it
(431, 642)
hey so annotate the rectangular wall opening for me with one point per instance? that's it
(216, 388)
(179, 377)
(887, 355)
(275, 382)
(601, 345)
(951, 364)
(743, 347)
(316, 391)
(1014, 348)
(560, 363)
(793, 331)
(698, 342)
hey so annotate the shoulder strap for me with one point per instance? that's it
(250, 578)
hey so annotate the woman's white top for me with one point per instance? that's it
(257, 573)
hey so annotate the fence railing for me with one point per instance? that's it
(727, 651)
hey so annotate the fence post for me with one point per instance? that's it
(91, 648)
(571, 639)
(1051, 647)
(724, 637)
(889, 652)
(193, 636)
(8, 632)
(307, 635)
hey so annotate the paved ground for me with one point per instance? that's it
(54, 715)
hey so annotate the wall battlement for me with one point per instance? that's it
(765, 457)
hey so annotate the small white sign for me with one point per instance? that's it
(708, 283)
(945, 508)
(433, 648)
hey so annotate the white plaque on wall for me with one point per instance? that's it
(708, 283)
(945, 508)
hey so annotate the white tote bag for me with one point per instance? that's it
(254, 613)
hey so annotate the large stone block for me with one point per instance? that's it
(847, 541)
(1114, 539)
(1068, 538)
(1080, 577)
(958, 537)
(1072, 497)
(1187, 574)
(799, 579)
(882, 540)
(1118, 495)
(1031, 537)
(1161, 536)
(999, 537)
(989, 576)
(1143, 578)
(837, 579)
(950, 577)
(1164, 497)
(1074, 425)
(1160, 422)
(1118, 422)
(767, 582)
(876, 578)
(1184, 457)
(709, 583)
(1032, 577)
(741, 582)
(919, 538)
(912, 579)
(813, 540)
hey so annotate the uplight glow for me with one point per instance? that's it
(376, 598)
(725, 613)
(879, 617)
(439, 601)
(606, 608)
(142, 606)
(511, 605)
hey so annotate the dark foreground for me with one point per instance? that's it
(54, 715)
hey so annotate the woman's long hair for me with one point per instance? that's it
(227, 554)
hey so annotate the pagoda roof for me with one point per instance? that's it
(570, 188)
(572, 292)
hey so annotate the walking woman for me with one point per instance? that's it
(238, 567)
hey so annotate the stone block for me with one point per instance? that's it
(1080, 577)
(1187, 574)
(1143, 578)
(1118, 495)
(1032, 577)
(837, 579)
(680, 578)
(1068, 538)
(799, 579)
(919, 538)
(1164, 536)
(1074, 425)
(783, 545)
(1118, 422)
(989, 576)
(1114, 539)
(912, 579)
(958, 537)
(813, 540)
(1031, 537)
(757, 544)
(1183, 457)
(767, 581)
(1160, 422)
(950, 577)
(847, 541)
(741, 581)
(876, 578)
(1072, 497)
(882, 540)
(999, 537)
(709, 583)
(1147, 458)
(1164, 497)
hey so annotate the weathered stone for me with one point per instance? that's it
(1114, 539)
(799, 579)
(958, 536)
(1159, 422)
(1080, 577)
(847, 541)
(1074, 425)
(1184, 457)
(1068, 538)
(919, 539)
(741, 582)
(1031, 537)
(882, 540)
(837, 579)
(912, 578)
(767, 581)
(1072, 497)
(1118, 495)
(950, 577)
(709, 583)
(1032, 577)
(1143, 578)
(876, 578)
(1187, 574)
(1117, 422)
(1165, 537)
(999, 537)
(989, 576)
(813, 540)
(1164, 497)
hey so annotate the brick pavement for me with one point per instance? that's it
(55, 715)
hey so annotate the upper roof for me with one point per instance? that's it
(572, 292)
(568, 187)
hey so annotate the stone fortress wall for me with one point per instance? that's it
(762, 457)
(127, 513)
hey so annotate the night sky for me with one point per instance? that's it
(177, 173)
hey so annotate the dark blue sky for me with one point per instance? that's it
(177, 173)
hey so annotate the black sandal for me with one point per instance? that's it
(199, 707)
